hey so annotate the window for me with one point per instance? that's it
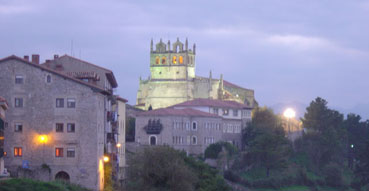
(194, 126)
(225, 111)
(71, 127)
(163, 60)
(235, 112)
(194, 140)
(48, 78)
(71, 103)
(18, 102)
(215, 111)
(59, 152)
(157, 60)
(18, 151)
(59, 127)
(59, 102)
(188, 140)
(181, 59)
(187, 126)
(85, 79)
(174, 59)
(18, 127)
(152, 140)
(71, 153)
(19, 79)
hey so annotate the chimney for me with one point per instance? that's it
(35, 58)
(56, 56)
(26, 57)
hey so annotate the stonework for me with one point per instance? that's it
(3, 108)
(173, 80)
(56, 123)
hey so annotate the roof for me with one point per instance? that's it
(109, 73)
(13, 57)
(214, 103)
(187, 112)
(122, 99)
(226, 83)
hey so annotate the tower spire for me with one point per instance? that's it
(151, 45)
(194, 48)
(186, 45)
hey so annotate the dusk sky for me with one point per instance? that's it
(286, 50)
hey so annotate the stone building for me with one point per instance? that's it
(193, 125)
(57, 121)
(3, 107)
(173, 80)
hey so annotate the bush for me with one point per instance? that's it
(214, 149)
(333, 175)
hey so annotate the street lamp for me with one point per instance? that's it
(42, 139)
(106, 159)
(289, 113)
(119, 145)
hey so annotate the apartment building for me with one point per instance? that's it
(193, 125)
(58, 118)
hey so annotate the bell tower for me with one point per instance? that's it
(175, 62)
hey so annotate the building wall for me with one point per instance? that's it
(39, 116)
(176, 134)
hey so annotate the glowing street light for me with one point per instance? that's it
(106, 159)
(119, 145)
(289, 113)
(42, 138)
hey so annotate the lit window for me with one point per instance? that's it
(18, 127)
(181, 59)
(18, 102)
(235, 112)
(48, 78)
(18, 151)
(59, 127)
(71, 153)
(194, 140)
(163, 60)
(59, 102)
(194, 126)
(174, 60)
(59, 152)
(71, 127)
(157, 60)
(19, 79)
(225, 111)
(71, 103)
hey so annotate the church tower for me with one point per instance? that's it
(172, 62)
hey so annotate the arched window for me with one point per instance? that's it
(163, 60)
(152, 140)
(62, 176)
(174, 59)
(48, 78)
(194, 140)
(194, 126)
(157, 60)
(181, 59)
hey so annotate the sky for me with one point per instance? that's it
(288, 51)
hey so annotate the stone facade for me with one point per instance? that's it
(55, 124)
(173, 80)
(215, 121)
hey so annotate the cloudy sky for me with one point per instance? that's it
(286, 50)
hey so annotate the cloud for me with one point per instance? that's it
(299, 41)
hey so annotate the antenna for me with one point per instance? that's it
(71, 48)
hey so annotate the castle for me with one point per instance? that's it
(173, 80)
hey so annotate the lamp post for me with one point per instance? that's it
(289, 113)
(43, 139)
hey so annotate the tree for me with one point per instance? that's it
(265, 140)
(130, 129)
(325, 139)
(158, 169)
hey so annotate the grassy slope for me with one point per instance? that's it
(33, 185)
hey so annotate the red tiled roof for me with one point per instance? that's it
(188, 112)
(122, 99)
(13, 57)
(213, 103)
